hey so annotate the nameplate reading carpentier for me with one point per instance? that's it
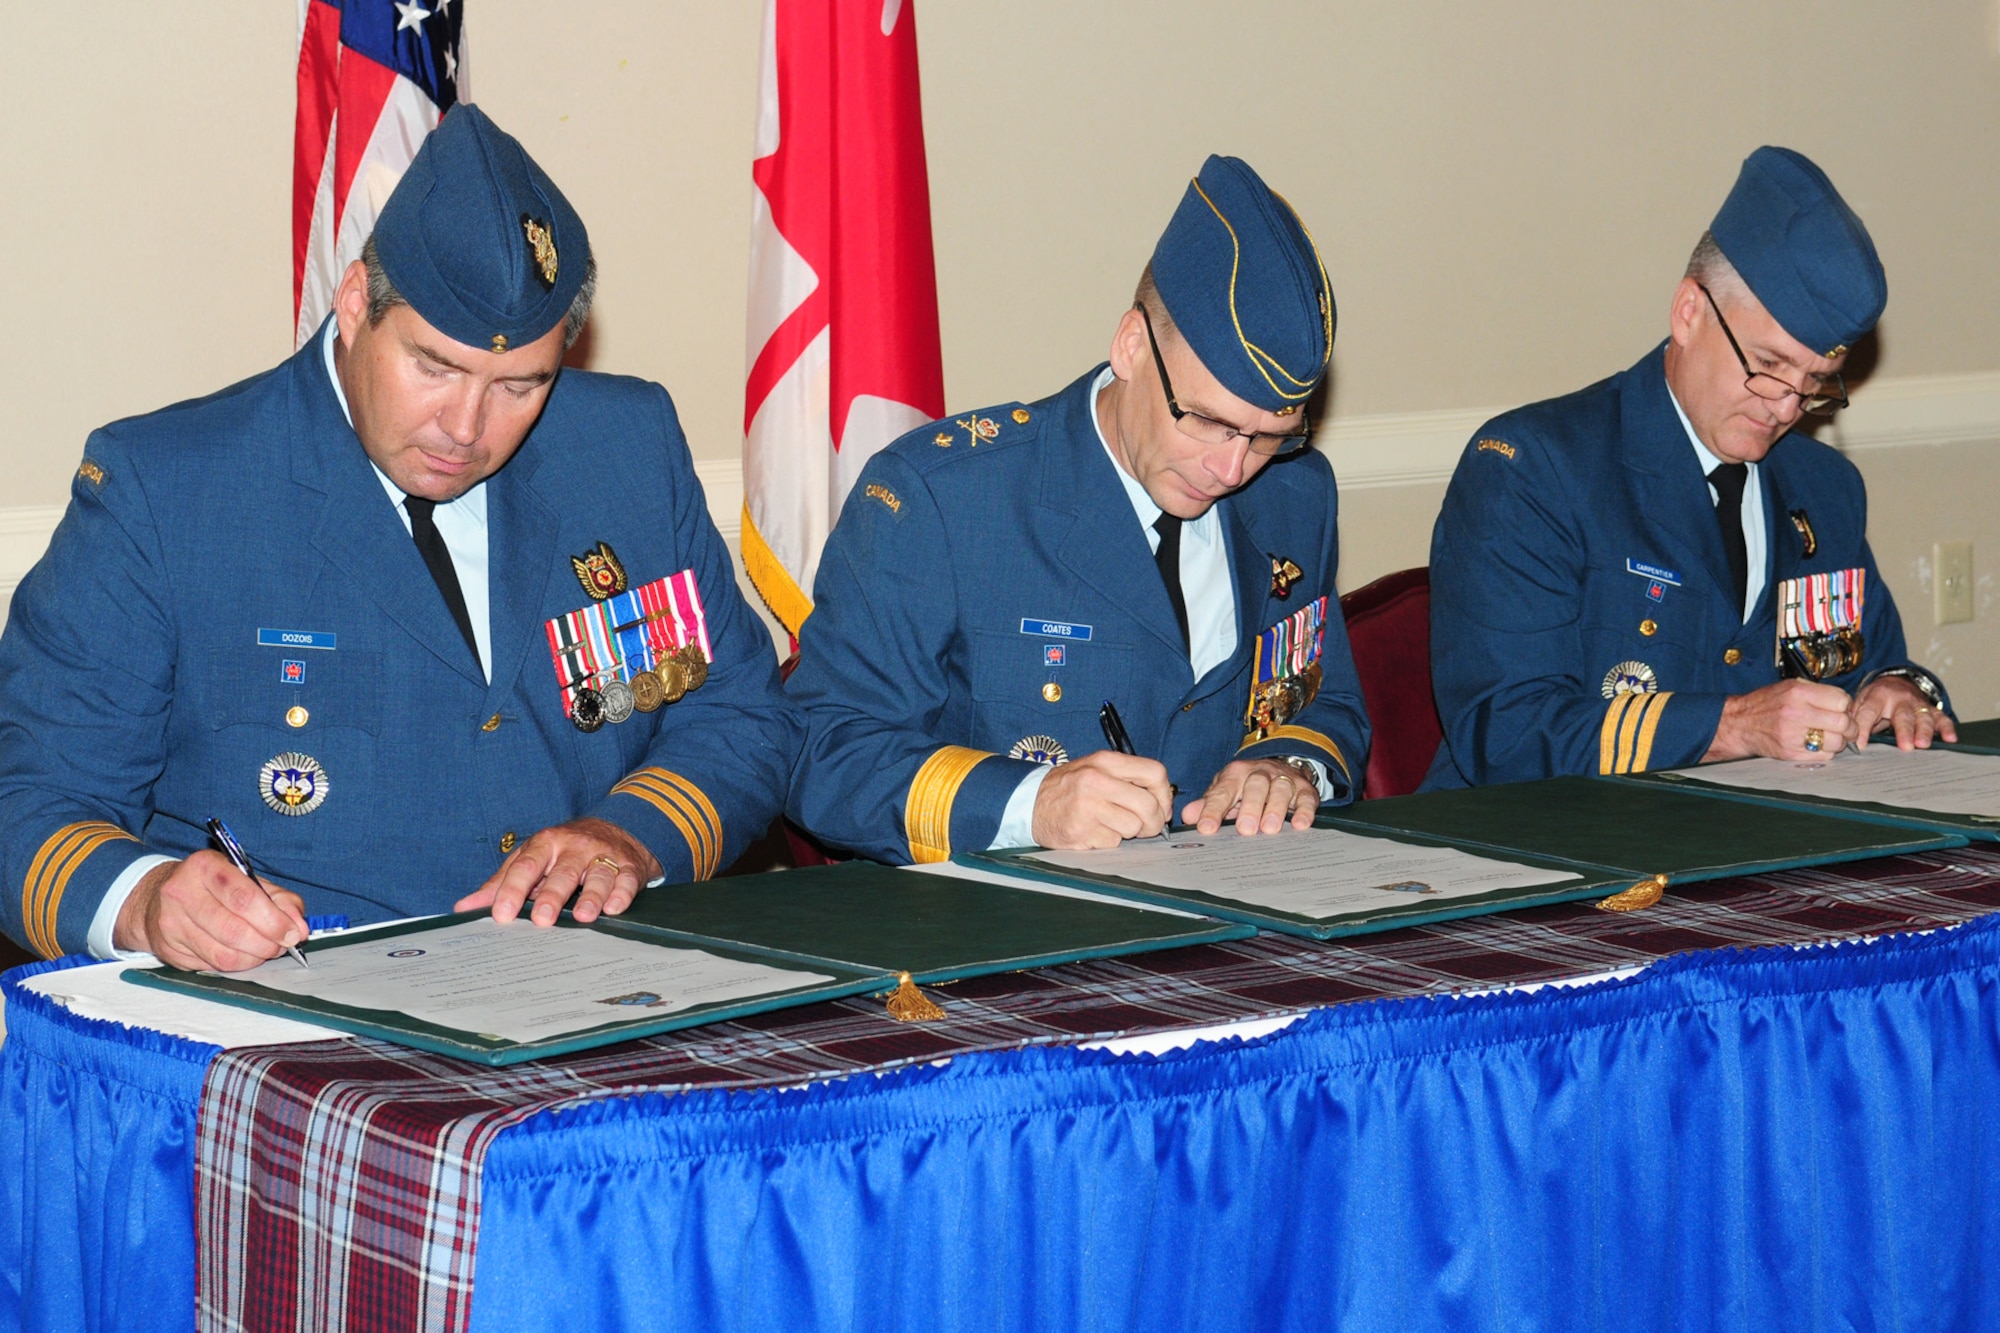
(1653, 572)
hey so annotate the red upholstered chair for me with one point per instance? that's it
(13, 955)
(1389, 627)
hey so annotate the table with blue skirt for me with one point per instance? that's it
(1763, 1102)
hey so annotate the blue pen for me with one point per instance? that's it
(241, 860)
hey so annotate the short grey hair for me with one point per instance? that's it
(383, 296)
(1712, 269)
(1148, 295)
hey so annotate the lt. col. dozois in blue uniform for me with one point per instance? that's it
(1598, 607)
(233, 618)
(997, 577)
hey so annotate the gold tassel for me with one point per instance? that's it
(910, 1005)
(1641, 895)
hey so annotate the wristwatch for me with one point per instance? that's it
(1926, 684)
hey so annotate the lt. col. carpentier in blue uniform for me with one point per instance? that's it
(389, 699)
(1156, 537)
(1598, 607)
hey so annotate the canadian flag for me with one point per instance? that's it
(843, 329)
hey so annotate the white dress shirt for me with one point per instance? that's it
(1756, 541)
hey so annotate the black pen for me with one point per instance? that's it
(1114, 729)
(241, 860)
(1118, 739)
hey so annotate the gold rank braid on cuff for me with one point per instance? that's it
(1625, 741)
(686, 806)
(927, 810)
(1317, 739)
(48, 878)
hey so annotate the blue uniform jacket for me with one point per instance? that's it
(976, 553)
(1546, 579)
(133, 688)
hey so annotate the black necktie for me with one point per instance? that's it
(1729, 480)
(1168, 558)
(437, 557)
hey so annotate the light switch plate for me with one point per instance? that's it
(1951, 581)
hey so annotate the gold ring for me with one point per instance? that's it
(1814, 739)
(1926, 709)
(607, 863)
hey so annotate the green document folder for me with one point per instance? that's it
(487, 1049)
(935, 927)
(1639, 826)
(1980, 736)
(859, 923)
(1614, 834)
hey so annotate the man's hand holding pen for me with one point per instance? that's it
(1105, 797)
(205, 913)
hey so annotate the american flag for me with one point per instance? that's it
(374, 77)
(843, 327)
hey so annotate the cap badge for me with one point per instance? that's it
(1283, 575)
(292, 783)
(1630, 677)
(1039, 749)
(543, 246)
(599, 572)
(499, 342)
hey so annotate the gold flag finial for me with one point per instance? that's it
(1641, 895)
(910, 1005)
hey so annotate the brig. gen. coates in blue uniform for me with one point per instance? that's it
(417, 614)
(1155, 537)
(1598, 607)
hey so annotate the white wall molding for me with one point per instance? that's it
(24, 535)
(1421, 448)
(1369, 452)
(1399, 448)
(722, 480)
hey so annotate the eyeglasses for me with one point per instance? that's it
(1816, 401)
(1207, 430)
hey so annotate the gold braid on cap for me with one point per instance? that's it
(1301, 388)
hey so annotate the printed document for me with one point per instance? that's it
(1317, 872)
(1946, 782)
(522, 982)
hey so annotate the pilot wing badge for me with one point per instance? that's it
(599, 572)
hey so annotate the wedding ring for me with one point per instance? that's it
(607, 863)
(1814, 739)
(1927, 709)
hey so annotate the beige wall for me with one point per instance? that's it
(1505, 193)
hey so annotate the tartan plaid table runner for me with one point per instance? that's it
(337, 1183)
